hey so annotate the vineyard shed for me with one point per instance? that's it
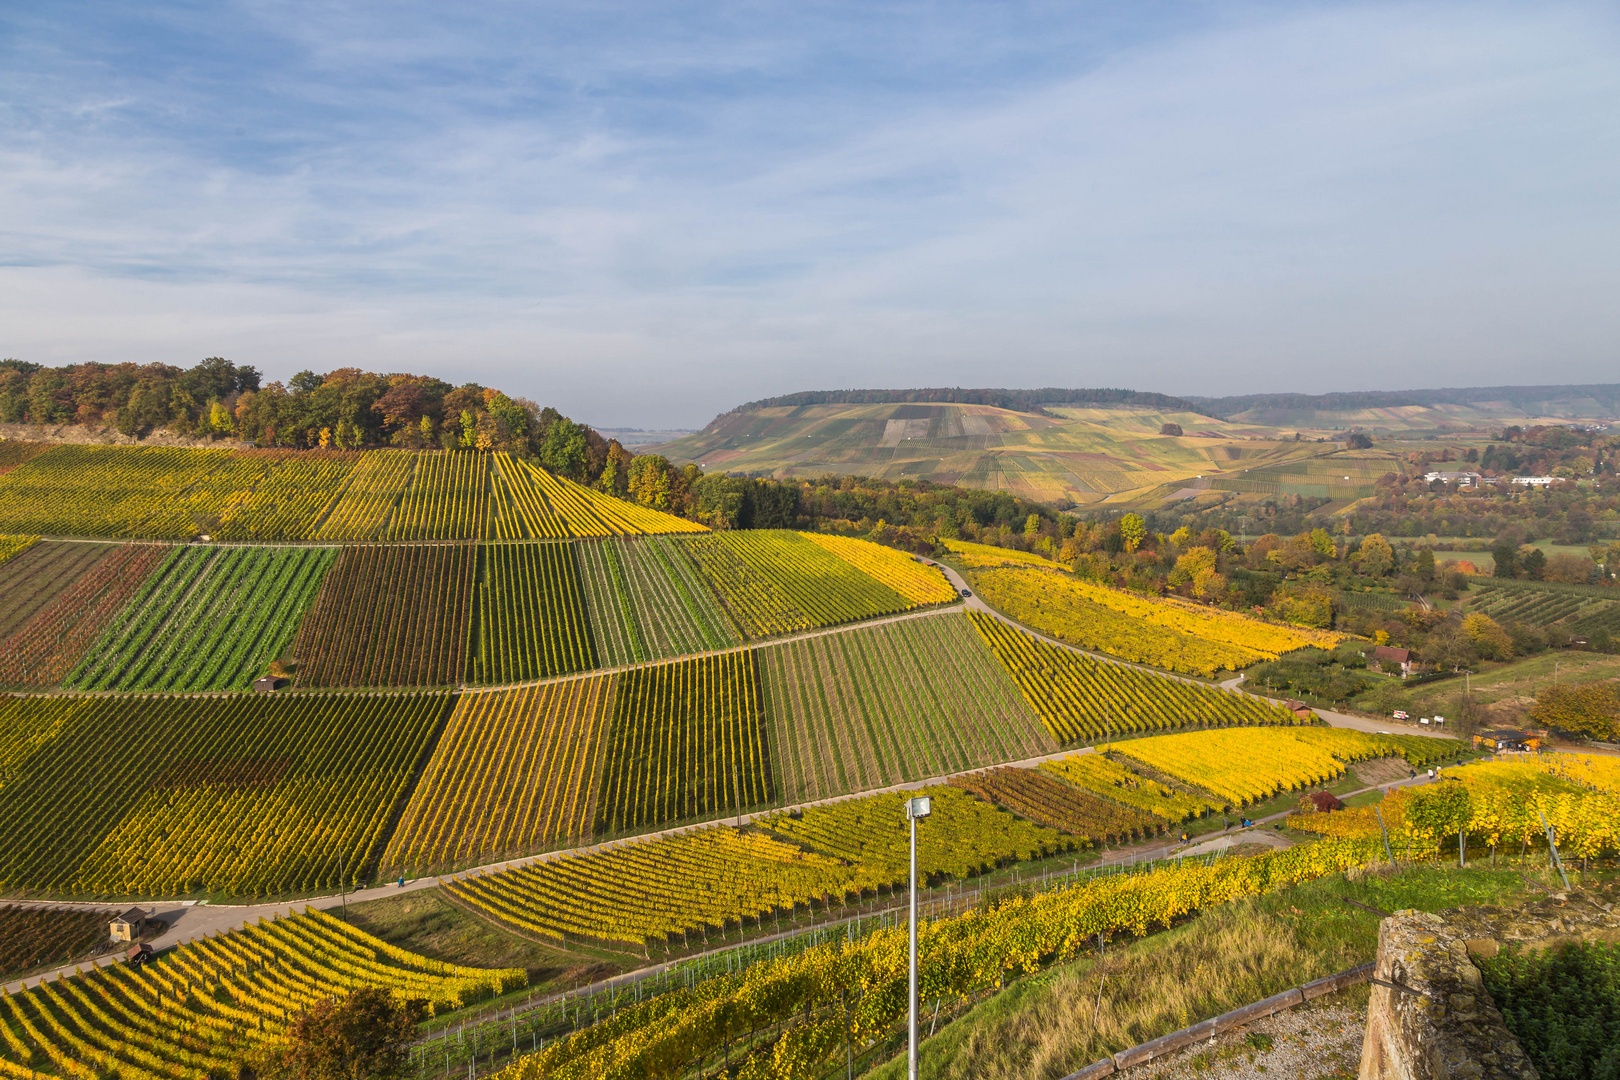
(1300, 710)
(139, 954)
(128, 925)
(268, 683)
(1505, 739)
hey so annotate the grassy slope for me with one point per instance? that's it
(1052, 1023)
(1079, 455)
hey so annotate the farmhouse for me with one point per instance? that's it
(1388, 657)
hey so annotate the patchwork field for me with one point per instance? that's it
(1072, 455)
(879, 706)
(40, 652)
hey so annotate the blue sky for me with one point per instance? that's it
(645, 214)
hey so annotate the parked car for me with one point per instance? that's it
(966, 593)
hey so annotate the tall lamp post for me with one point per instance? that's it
(916, 809)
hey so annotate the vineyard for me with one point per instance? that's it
(447, 500)
(1169, 634)
(171, 493)
(1503, 805)
(114, 491)
(15, 452)
(517, 507)
(516, 771)
(389, 616)
(903, 573)
(246, 795)
(713, 878)
(33, 938)
(686, 742)
(1112, 781)
(199, 1010)
(891, 703)
(591, 513)
(807, 1004)
(775, 583)
(531, 616)
(1244, 767)
(648, 603)
(1080, 697)
(41, 652)
(288, 496)
(36, 576)
(1048, 801)
(1577, 609)
(206, 619)
(376, 485)
(12, 546)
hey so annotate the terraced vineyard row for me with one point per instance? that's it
(377, 483)
(41, 652)
(447, 499)
(289, 495)
(1114, 782)
(531, 617)
(775, 583)
(591, 513)
(36, 576)
(686, 742)
(1080, 697)
(12, 546)
(517, 507)
(1048, 801)
(392, 615)
(208, 1005)
(515, 772)
(717, 877)
(1244, 767)
(648, 602)
(170, 493)
(903, 573)
(807, 996)
(206, 619)
(901, 701)
(33, 938)
(247, 795)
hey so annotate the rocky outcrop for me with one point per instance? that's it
(1430, 1017)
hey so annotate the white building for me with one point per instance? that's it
(1535, 481)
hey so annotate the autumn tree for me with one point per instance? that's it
(1588, 712)
(1132, 530)
(364, 1036)
(1487, 637)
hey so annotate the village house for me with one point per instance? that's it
(1389, 657)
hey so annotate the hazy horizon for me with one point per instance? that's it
(647, 216)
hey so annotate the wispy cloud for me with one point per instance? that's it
(648, 214)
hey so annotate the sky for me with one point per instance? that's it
(645, 214)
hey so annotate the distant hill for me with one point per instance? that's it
(1068, 447)
(1505, 403)
(1018, 400)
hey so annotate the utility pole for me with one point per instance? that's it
(342, 889)
(916, 809)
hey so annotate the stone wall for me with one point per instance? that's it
(1440, 1022)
